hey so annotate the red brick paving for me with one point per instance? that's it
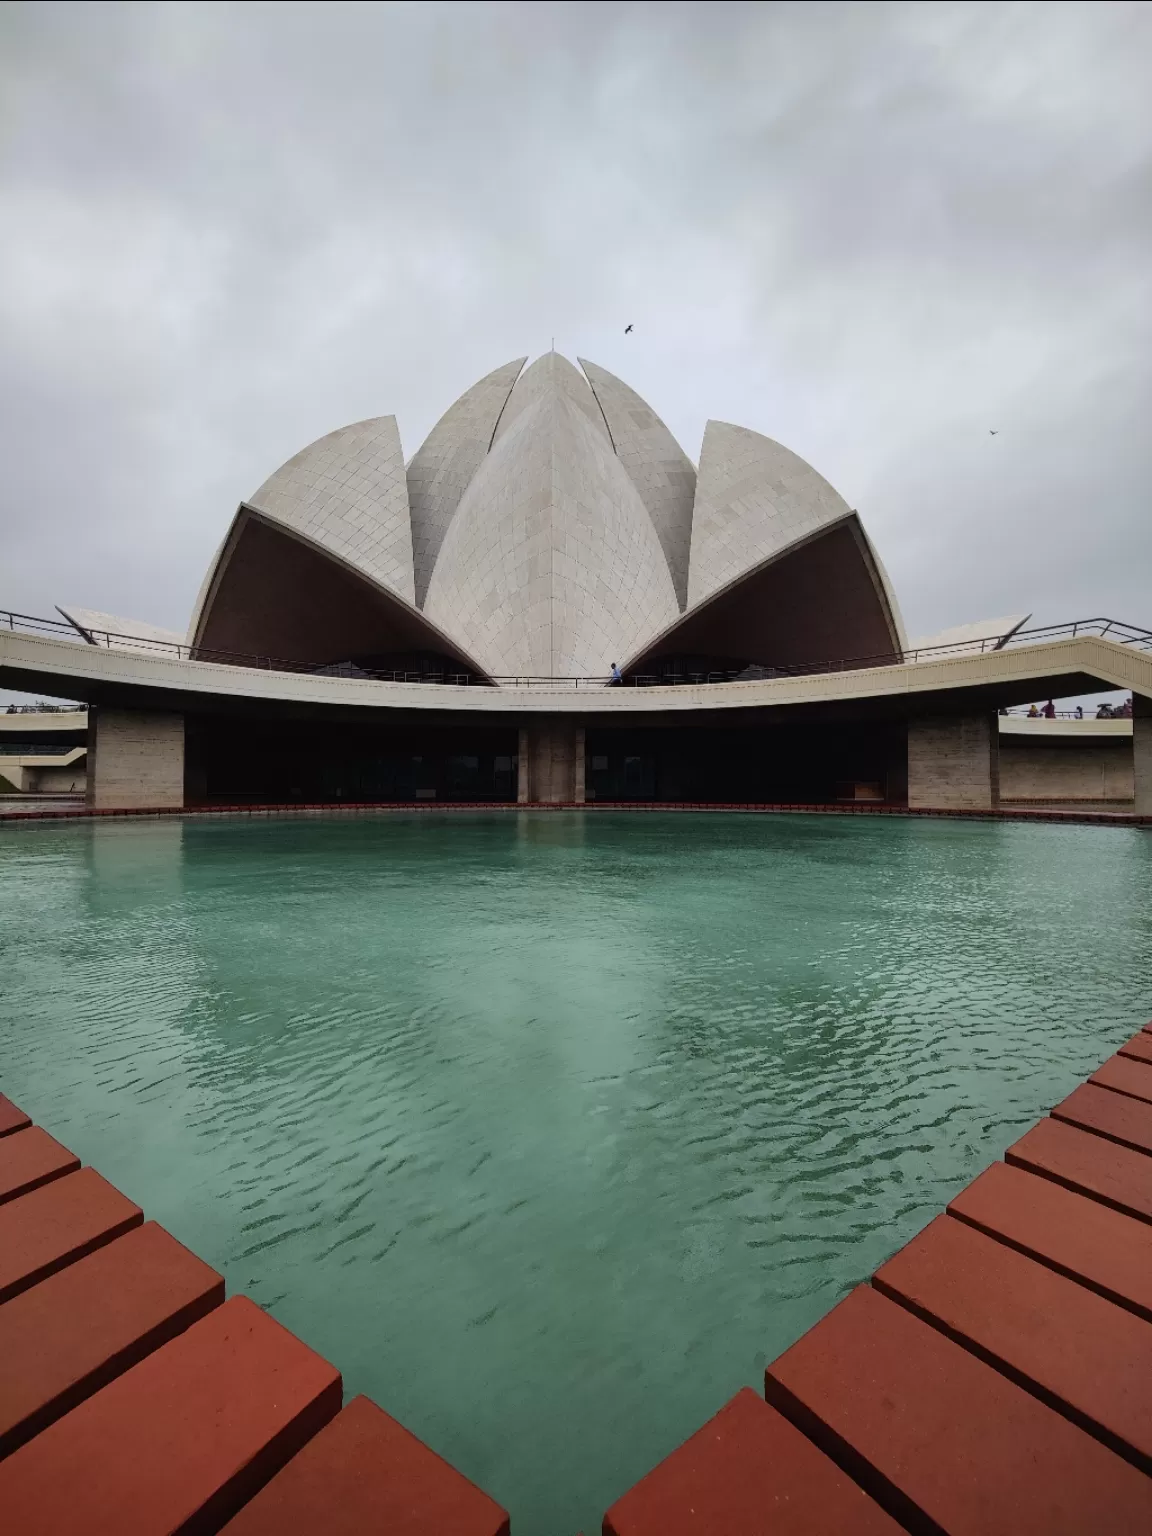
(1123, 1075)
(63, 1339)
(746, 1472)
(994, 1380)
(1085, 1357)
(944, 1440)
(181, 1440)
(31, 1158)
(1081, 1161)
(58, 1224)
(1114, 1116)
(1072, 1234)
(365, 1472)
(1139, 1047)
(12, 1117)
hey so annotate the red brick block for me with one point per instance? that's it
(65, 1338)
(1095, 1245)
(1123, 1075)
(365, 1472)
(58, 1224)
(1139, 1047)
(31, 1158)
(1086, 1358)
(746, 1473)
(181, 1440)
(12, 1117)
(1116, 1175)
(945, 1442)
(1111, 1115)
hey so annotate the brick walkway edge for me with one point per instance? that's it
(377, 808)
(994, 1377)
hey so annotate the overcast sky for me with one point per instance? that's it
(873, 232)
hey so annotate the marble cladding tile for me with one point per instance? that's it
(658, 467)
(348, 493)
(443, 466)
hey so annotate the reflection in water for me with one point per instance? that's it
(550, 1129)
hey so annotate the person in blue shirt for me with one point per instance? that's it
(616, 677)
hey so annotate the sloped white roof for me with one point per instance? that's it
(656, 464)
(754, 498)
(551, 566)
(446, 461)
(348, 493)
(971, 635)
(116, 633)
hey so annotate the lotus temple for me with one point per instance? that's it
(550, 603)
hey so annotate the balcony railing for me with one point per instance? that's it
(1111, 629)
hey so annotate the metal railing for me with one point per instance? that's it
(1112, 629)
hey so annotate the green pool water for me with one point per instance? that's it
(551, 1130)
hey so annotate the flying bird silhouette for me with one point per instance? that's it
(627, 328)
(993, 432)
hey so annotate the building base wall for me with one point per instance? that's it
(1099, 770)
(953, 763)
(135, 760)
(551, 764)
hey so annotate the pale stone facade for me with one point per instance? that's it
(953, 763)
(656, 464)
(551, 567)
(443, 466)
(135, 760)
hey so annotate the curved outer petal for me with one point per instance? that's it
(753, 499)
(550, 374)
(973, 636)
(900, 633)
(445, 462)
(117, 634)
(348, 493)
(656, 464)
(551, 566)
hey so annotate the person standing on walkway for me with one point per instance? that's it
(1049, 710)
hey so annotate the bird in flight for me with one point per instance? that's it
(627, 328)
(993, 432)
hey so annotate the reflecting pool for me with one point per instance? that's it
(550, 1129)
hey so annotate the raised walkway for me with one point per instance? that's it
(993, 1378)
(1064, 668)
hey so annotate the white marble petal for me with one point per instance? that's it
(548, 375)
(446, 461)
(348, 493)
(754, 498)
(656, 464)
(551, 566)
(987, 634)
(119, 634)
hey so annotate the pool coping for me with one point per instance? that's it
(378, 808)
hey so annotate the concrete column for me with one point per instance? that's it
(135, 760)
(1142, 753)
(954, 763)
(551, 763)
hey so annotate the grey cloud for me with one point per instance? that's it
(870, 231)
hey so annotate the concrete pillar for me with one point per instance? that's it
(1142, 753)
(954, 763)
(135, 760)
(551, 770)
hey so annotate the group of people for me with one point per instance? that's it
(1105, 711)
